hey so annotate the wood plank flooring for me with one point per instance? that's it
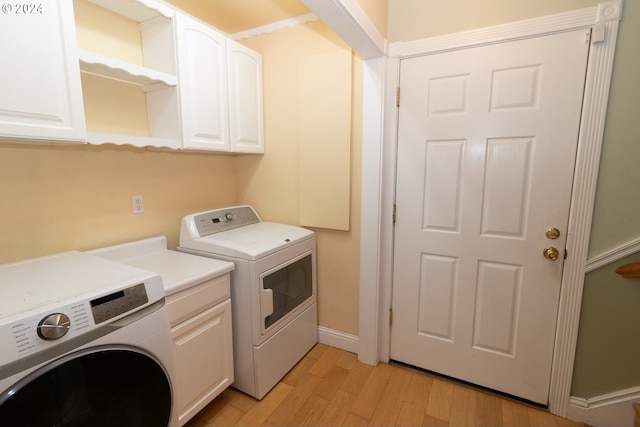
(329, 387)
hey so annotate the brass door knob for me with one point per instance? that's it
(552, 233)
(551, 253)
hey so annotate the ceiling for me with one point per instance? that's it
(233, 16)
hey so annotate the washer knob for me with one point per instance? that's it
(229, 217)
(54, 326)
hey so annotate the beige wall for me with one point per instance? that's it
(417, 19)
(56, 199)
(271, 182)
(610, 321)
(377, 11)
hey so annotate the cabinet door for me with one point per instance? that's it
(203, 349)
(245, 99)
(40, 76)
(202, 82)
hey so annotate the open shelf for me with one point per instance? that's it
(105, 66)
(97, 138)
(126, 101)
(139, 10)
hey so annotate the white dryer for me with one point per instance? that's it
(273, 290)
(85, 342)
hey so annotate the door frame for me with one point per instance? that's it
(381, 76)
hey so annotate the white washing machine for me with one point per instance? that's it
(85, 342)
(273, 290)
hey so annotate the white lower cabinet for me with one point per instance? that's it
(200, 318)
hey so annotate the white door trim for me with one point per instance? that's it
(378, 184)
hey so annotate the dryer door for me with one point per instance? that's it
(101, 386)
(284, 289)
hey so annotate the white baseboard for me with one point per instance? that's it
(338, 339)
(610, 410)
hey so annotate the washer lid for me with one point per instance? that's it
(57, 280)
(249, 242)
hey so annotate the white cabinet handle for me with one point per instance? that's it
(266, 302)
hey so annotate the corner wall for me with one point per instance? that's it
(271, 182)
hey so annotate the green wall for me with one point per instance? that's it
(608, 339)
(607, 354)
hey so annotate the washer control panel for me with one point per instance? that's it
(41, 330)
(37, 332)
(225, 219)
(54, 326)
(117, 303)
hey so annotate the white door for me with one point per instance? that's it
(487, 139)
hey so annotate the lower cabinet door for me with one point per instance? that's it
(203, 351)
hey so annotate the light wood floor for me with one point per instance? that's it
(329, 387)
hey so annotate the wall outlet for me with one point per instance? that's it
(137, 204)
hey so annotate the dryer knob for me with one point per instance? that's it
(54, 326)
(229, 217)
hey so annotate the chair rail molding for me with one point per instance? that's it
(613, 255)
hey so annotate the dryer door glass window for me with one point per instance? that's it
(112, 387)
(287, 287)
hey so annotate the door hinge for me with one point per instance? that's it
(598, 35)
(390, 317)
(393, 214)
(397, 97)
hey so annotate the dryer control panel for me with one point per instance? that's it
(220, 220)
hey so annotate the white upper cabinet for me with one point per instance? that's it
(220, 84)
(245, 99)
(202, 79)
(40, 97)
(129, 101)
(126, 72)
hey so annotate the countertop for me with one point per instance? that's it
(178, 270)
